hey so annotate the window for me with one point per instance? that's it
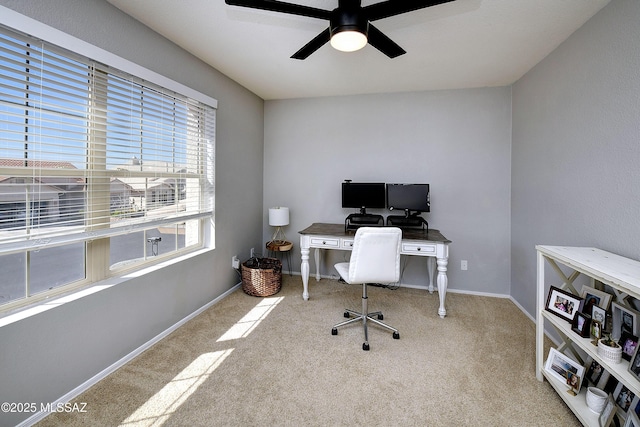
(100, 171)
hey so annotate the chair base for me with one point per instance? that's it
(366, 317)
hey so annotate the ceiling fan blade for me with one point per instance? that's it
(284, 7)
(396, 7)
(383, 43)
(315, 44)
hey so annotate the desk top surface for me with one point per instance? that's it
(320, 228)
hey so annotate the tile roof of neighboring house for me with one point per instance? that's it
(151, 166)
(139, 184)
(134, 183)
(45, 164)
(49, 164)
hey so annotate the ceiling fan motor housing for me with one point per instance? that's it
(348, 19)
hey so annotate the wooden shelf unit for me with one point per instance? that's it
(621, 274)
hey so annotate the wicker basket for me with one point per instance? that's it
(261, 277)
(610, 354)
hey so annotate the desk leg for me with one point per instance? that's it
(316, 258)
(431, 267)
(442, 284)
(304, 272)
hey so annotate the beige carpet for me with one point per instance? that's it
(252, 361)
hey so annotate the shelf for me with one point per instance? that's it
(611, 269)
(619, 370)
(578, 403)
(621, 274)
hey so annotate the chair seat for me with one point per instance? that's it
(343, 270)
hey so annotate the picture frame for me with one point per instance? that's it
(607, 414)
(623, 398)
(558, 365)
(629, 343)
(582, 324)
(573, 382)
(611, 384)
(634, 364)
(624, 319)
(599, 314)
(596, 374)
(563, 304)
(632, 420)
(593, 296)
(596, 330)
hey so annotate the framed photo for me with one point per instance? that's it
(634, 364)
(573, 381)
(611, 384)
(632, 420)
(607, 414)
(563, 304)
(582, 324)
(624, 319)
(596, 374)
(623, 398)
(628, 343)
(593, 296)
(596, 330)
(599, 314)
(559, 366)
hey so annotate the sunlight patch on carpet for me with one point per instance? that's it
(159, 408)
(251, 320)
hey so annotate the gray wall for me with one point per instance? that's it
(576, 146)
(457, 141)
(44, 357)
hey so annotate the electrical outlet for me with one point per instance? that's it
(464, 265)
(235, 262)
(253, 252)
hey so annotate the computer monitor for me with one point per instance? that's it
(408, 197)
(363, 195)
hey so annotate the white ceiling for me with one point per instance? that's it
(462, 44)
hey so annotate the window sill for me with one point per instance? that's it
(59, 300)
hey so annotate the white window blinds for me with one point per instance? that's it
(87, 151)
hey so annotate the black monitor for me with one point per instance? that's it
(408, 197)
(363, 195)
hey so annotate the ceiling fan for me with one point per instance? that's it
(350, 26)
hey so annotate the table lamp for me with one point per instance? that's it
(278, 217)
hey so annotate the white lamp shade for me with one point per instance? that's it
(278, 216)
(348, 41)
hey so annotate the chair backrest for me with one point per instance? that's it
(375, 257)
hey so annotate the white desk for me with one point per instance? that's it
(431, 244)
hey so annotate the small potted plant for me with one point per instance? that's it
(609, 349)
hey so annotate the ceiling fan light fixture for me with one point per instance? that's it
(348, 28)
(348, 40)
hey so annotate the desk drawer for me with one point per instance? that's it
(325, 242)
(347, 244)
(418, 248)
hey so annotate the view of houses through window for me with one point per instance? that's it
(95, 165)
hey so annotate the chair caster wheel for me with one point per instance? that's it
(365, 346)
(334, 331)
(396, 336)
(380, 317)
(346, 314)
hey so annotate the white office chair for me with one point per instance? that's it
(375, 258)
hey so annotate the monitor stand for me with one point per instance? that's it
(408, 220)
(363, 219)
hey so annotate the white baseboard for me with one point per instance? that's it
(38, 416)
(426, 288)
